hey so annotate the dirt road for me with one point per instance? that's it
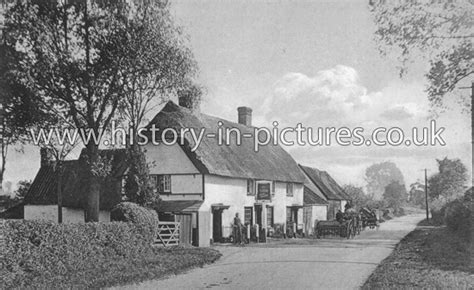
(295, 263)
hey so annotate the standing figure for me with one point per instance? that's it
(340, 216)
(238, 229)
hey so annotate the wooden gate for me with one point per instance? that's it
(168, 234)
(186, 228)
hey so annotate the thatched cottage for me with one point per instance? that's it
(209, 186)
(41, 201)
(205, 188)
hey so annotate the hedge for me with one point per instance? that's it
(457, 214)
(40, 252)
(131, 212)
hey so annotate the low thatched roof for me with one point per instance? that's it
(43, 190)
(327, 179)
(311, 198)
(312, 194)
(325, 183)
(271, 162)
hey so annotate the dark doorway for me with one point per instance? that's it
(258, 215)
(291, 215)
(217, 225)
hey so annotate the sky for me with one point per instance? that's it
(309, 62)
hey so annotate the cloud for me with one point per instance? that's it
(397, 113)
(330, 93)
(336, 97)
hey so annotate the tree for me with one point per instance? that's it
(22, 190)
(450, 181)
(17, 112)
(138, 186)
(416, 195)
(394, 195)
(357, 194)
(379, 175)
(74, 57)
(438, 31)
(153, 75)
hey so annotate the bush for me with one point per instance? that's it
(437, 209)
(458, 216)
(469, 195)
(41, 251)
(131, 212)
(399, 212)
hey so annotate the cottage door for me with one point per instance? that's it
(217, 225)
(258, 215)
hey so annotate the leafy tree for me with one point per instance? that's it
(18, 111)
(357, 194)
(138, 186)
(153, 75)
(74, 57)
(23, 187)
(438, 31)
(394, 195)
(379, 175)
(416, 195)
(449, 182)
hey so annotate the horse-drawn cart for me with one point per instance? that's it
(334, 228)
(369, 218)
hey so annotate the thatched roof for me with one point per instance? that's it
(312, 194)
(334, 185)
(270, 162)
(325, 183)
(44, 187)
(311, 198)
(43, 190)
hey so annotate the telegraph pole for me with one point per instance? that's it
(426, 194)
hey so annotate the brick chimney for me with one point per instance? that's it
(46, 157)
(245, 116)
(190, 102)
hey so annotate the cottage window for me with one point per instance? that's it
(248, 215)
(164, 183)
(250, 187)
(289, 189)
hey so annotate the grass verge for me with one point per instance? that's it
(429, 257)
